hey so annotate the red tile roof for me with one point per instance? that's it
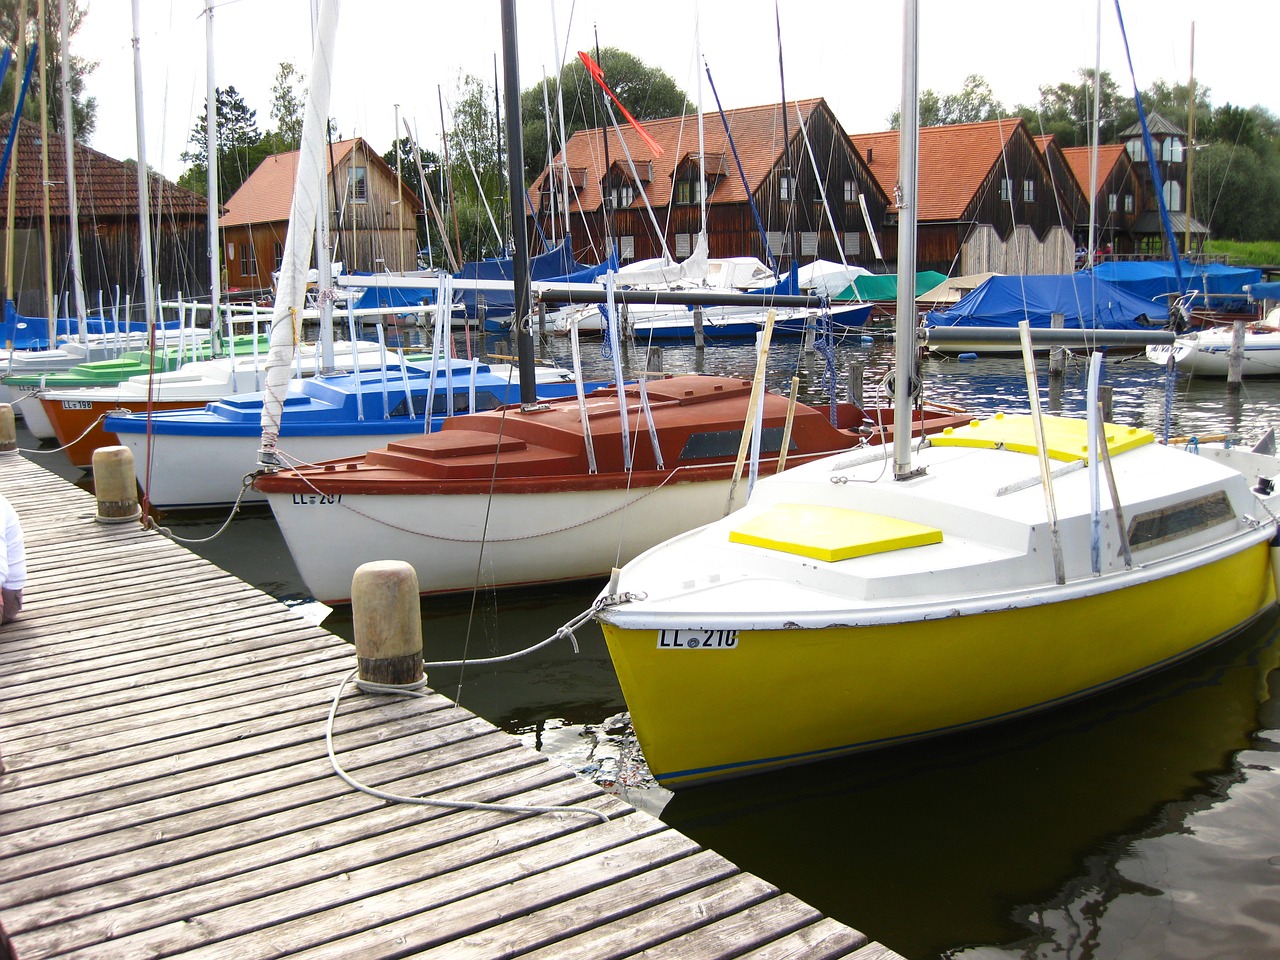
(105, 187)
(1078, 158)
(953, 163)
(757, 134)
(267, 194)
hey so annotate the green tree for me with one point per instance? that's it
(476, 170)
(973, 103)
(287, 108)
(1236, 192)
(647, 92)
(241, 147)
(83, 107)
(1065, 110)
(431, 165)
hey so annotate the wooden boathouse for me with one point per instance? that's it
(167, 791)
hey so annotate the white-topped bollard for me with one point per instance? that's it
(388, 623)
(115, 485)
(8, 430)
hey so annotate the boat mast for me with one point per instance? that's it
(18, 89)
(50, 296)
(906, 322)
(144, 190)
(211, 161)
(324, 255)
(1092, 247)
(69, 148)
(1191, 135)
(515, 171)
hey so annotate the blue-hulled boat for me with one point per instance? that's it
(200, 457)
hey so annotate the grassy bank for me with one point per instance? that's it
(1262, 253)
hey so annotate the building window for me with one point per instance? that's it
(850, 192)
(626, 248)
(358, 184)
(1111, 203)
(1173, 195)
(1137, 152)
(622, 195)
(1128, 203)
(853, 243)
(1171, 150)
(248, 263)
(1006, 190)
(809, 243)
(277, 254)
(684, 191)
(1029, 191)
(683, 246)
(785, 188)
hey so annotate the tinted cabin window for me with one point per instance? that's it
(1179, 520)
(723, 444)
(439, 406)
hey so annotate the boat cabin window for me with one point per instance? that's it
(1179, 520)
(723, 444)
(440, 404)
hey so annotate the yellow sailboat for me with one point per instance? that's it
(1002, 568)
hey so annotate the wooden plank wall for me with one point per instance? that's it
(167, 791)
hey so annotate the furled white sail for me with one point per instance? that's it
(309, 184)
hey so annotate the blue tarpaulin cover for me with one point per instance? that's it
(1156, 279)
(1265, 291)
(1005, 301)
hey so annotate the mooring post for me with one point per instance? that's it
(115, 485)
(698, 340)
(653, 361)
(1105, 392)
(1057, 355)
(387, 622)
(8, 430)
(855, 382)
(1235, 357)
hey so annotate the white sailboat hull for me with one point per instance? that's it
(463, 541)
(1207, 353)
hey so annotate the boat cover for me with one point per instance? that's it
(1264, 291)
(883, 287)
(1005, 301)
(1157, 279)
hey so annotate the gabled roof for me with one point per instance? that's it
(954, 161)
(267, 194)
(757, 135)
(1109, 156)
(1158, 126)
(105, 187)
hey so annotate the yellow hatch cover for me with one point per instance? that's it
(830, 533)
(1065, 437)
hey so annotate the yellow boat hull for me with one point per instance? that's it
(781, 697)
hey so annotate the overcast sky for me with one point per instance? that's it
(848, 51)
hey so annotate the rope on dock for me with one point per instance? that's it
(427, 801)
(149, 523)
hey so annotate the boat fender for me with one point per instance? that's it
(1275, 561)
(968, 356)
(866, 339)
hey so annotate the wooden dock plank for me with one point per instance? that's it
(168, 792)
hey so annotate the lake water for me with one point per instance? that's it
(1139, 824)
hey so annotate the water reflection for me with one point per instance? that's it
(949, 843)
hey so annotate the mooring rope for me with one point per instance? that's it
(416, 690)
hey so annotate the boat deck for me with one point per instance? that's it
(167, 791)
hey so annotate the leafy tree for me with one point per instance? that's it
(431, 165)
(476, 168)
(241, 147)
(287, 108)
(647, 92)
(1065, 110)
(1236, 193)
(973, 103)
(83, 107)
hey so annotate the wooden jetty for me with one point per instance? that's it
(167, 791)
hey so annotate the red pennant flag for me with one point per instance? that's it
(597, 74)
